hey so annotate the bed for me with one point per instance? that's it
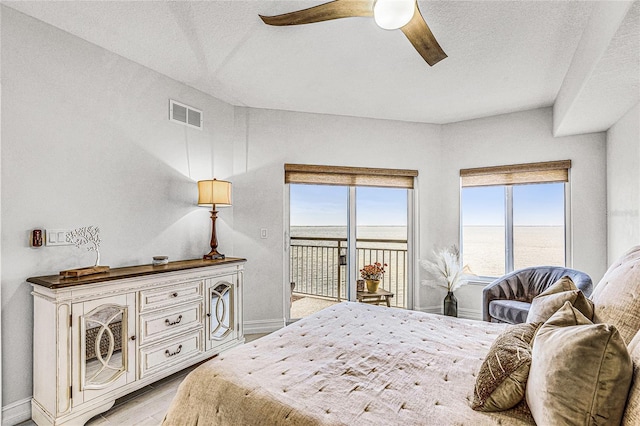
(359, 364)
(349, 364)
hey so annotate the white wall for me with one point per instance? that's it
(521, 138)
(438, 152)
(623, 184)
(274, 138)
(87, 141)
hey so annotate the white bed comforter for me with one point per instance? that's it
(350, 364)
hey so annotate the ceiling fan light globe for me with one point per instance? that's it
(393, 14)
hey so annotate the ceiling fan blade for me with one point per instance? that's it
(419, 34)
(333, 10)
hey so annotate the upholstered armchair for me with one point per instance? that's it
(508, 298)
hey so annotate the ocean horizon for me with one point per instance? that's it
(482, 246)
(362, 232)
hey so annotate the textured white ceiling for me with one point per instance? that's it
(504, 56)
(610, 84)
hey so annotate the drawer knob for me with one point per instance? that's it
(132, 338)
(174, 294)
(170, 354)
(170, 323)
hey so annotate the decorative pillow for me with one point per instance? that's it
(503, 375)
(580, 371)
(632, 412)
(549, 301)
(617, 295)
(563, 284)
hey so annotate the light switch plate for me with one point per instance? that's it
(57, 237)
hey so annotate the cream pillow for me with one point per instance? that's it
(549, 301)
(503, 375)
(617, 295)
(580, 372)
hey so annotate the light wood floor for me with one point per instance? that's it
(303, 306)
(146, 406)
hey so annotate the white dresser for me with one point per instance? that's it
(99, 337)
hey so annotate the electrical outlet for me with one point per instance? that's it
(263, 233)
(57, 237)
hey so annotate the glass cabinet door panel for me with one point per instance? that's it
(102, 348)
(221, 310)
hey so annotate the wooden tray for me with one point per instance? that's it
(90, 270)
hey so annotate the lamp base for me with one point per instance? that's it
(213, 256)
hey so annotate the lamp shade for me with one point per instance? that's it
(214, 191)
(393, 14)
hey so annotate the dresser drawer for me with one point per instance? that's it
(169, 296)
(165, 354)
(157, 325)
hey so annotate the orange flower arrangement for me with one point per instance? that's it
(373, 272)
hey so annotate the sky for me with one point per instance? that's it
(327, 205)
(533, 205)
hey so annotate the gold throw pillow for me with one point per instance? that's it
(501, 381)
(580, 371)
(544, 305)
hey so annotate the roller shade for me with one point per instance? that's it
(349, 176)
(517, 174)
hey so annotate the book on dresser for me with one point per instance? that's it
(99, 337)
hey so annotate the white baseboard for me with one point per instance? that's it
(263, 326)
(16, 412)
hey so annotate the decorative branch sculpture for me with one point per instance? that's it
(87, 235)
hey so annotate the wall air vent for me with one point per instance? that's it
(184, 114)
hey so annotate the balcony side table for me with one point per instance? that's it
(375, 298)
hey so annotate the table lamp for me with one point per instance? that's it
(214, 193)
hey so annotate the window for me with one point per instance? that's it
(340, 219)
(483, 230)
(513, 217)
(538, 225)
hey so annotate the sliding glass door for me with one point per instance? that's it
(382, 236)
(334, 231)
(318, 233)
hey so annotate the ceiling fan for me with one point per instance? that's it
(388, 14)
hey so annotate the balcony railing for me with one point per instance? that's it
(318, 266)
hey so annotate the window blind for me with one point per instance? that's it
(517, 174)
(349, 176)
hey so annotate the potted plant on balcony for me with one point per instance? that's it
(445, 270)
(372, 274)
